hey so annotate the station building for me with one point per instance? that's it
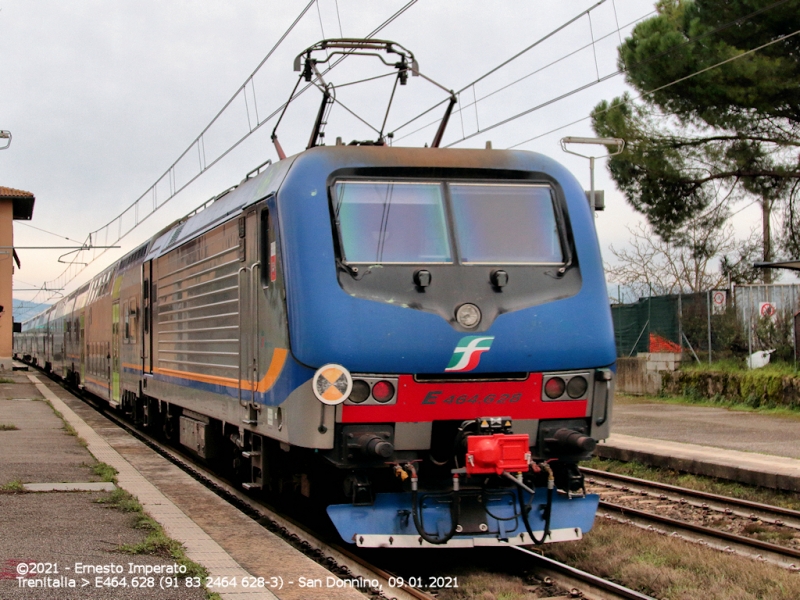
(14, 205)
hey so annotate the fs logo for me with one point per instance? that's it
(468, 352)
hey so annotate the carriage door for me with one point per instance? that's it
(81, 337)
(115, 351)
(249, 277)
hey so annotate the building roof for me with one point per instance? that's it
(23, 202)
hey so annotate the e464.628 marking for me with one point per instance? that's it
(433, 397)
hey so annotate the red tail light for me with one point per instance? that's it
(383, 391)
(554, 388)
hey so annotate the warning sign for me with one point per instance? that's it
(719, 301)
(767, 310)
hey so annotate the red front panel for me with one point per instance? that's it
(421, 402)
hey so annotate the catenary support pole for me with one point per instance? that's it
(708, 310)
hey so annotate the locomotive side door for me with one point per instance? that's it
(249, 284)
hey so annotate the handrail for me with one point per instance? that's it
(239, 298)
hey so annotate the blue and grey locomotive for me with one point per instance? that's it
(420, 336)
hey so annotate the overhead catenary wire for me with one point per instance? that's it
(504, 63)
(618, 30)
(169, 173)
(463, 107)
(92, 240)
(645, 62)
(339, 18)
(396, 15)
(63, 237)
(662, 87)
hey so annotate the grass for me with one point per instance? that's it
(14, 486)
(69, 429)
(482, 585)
(6, 380)
(8, 427)
(121, 500)
(673, 569)
(769, 533)
(105, 472)
(697, 482)
(156, 542)
(738, 365)
(718, 402)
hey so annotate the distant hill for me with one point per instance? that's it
(24, 309)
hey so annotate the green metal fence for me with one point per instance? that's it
(634, 323)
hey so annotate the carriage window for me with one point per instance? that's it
(391, 222)
(126, 319)
(134, 321)
(505, 223)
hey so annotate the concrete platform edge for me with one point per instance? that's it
(750, 468)
(200, 547)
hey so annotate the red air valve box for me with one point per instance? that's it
(498, 453)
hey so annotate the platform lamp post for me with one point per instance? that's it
(5, 135)
(614, 145)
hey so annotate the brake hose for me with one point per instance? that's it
(526, 509)
(455, 510)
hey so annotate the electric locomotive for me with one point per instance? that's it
(419, 336)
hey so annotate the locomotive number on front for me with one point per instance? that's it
(436, 397)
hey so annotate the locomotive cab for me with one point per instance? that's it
(455, 308)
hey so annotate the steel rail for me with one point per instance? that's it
(285, 527)
(593, 580)
(787, 512)
(702, 529)
(293, 527)
(186, 463)
(299, 535)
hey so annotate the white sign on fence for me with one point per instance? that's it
(767, 310)
(719, 301)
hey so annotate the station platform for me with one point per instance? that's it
(53, 526)
(740, 446)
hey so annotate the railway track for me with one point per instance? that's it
(597, 586)
(340, 560)
(749, 528)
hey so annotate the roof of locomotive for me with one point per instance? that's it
(331, 158)
(246, 193)
(334, 157)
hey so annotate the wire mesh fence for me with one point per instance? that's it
(712, 325)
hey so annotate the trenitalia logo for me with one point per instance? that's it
(468, 352)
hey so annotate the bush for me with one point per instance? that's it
(759, 388)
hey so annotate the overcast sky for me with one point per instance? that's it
(102, 97)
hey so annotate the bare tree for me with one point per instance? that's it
(702, 255)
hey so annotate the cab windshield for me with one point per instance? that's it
(382, 222)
